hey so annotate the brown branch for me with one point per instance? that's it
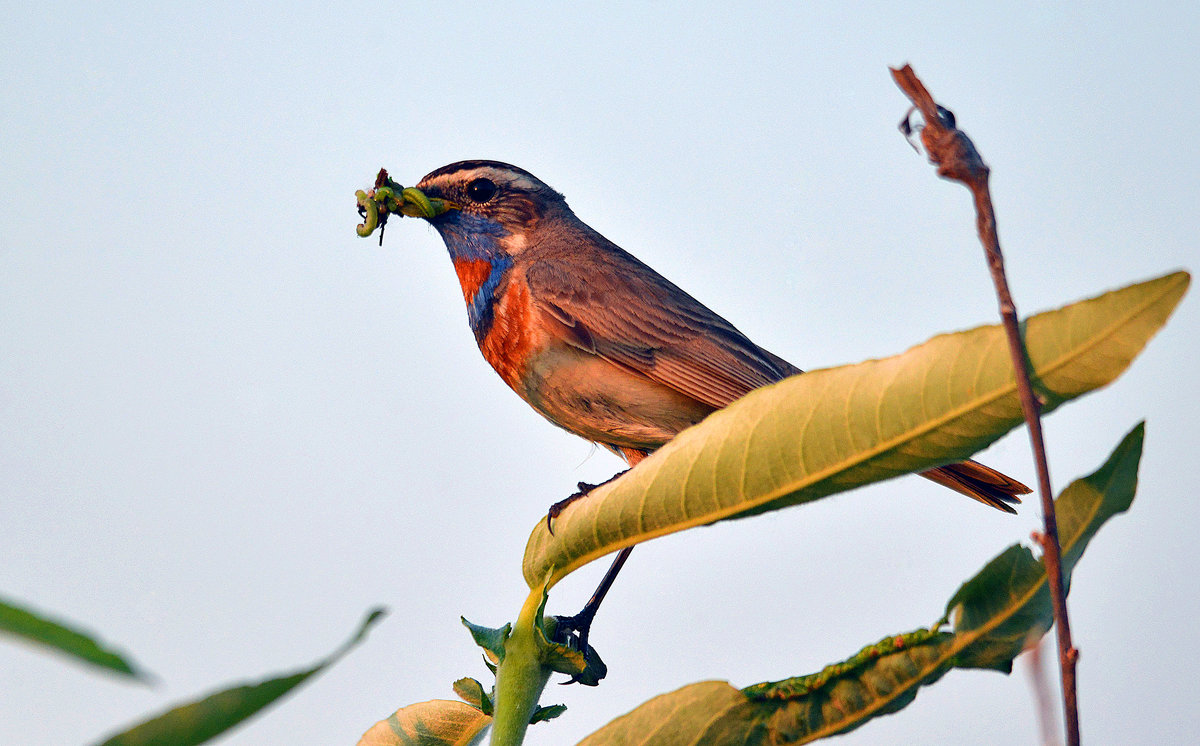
(957, 159)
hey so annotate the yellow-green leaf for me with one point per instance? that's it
(831, 430)
(671, 719)
(438, 722)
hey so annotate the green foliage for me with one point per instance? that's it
(491, 639)
(1009, 599)
(473, 693)
(197, 722)
(831, 430)
(549, 712)
(997, 614)
(804, 438)
(34, 627)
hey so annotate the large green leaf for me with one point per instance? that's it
(830, 430)
(29, 625)
(196, 722)
(438, 722)
(997, 614)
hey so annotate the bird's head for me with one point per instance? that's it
(487, 213)
(488, 207)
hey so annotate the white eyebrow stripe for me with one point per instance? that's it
(500, 176)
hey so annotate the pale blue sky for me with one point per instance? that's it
(228, 426)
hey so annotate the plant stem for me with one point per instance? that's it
(958, 160)
(520, 678)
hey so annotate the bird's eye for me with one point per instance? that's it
(481, 190)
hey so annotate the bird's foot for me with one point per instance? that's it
(573, 632)
(584, 490)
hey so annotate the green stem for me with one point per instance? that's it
(520, 678)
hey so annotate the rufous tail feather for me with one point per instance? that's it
(981, 483)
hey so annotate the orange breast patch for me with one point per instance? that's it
(472, 273)
(511, 339)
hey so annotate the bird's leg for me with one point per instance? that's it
(584, 490)
(581, 624)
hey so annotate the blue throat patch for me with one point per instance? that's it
(471, 237)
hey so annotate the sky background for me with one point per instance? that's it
(229, 426)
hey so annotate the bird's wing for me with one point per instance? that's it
(635, 318)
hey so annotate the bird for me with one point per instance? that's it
(596, 341)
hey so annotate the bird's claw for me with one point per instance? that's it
(584, 490)
(557, 508)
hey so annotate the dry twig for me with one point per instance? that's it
(957, 159)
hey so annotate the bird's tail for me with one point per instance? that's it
(980, 482)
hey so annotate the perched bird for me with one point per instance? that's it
(593, 339)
